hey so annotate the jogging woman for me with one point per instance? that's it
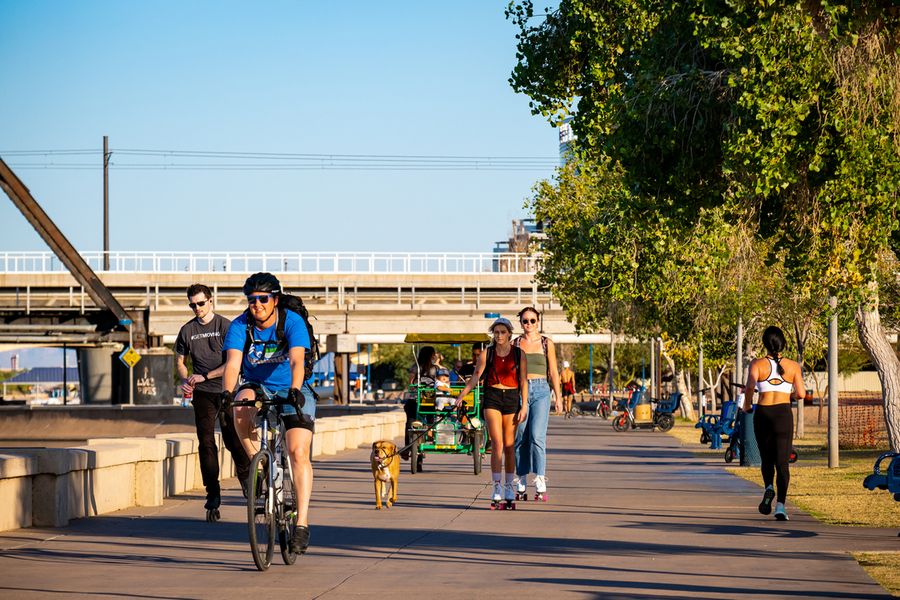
(531, 434)
(777, 380)
(505, 403)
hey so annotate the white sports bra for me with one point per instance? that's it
(774, 383)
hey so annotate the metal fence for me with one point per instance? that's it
(280, 262)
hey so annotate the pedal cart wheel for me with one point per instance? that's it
(260, 516)
(414, 459)
(665, 422)
(729, 455)
(620, 423)
(477, 443)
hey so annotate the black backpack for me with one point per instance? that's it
(294, 304)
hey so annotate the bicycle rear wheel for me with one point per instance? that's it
(260, 515)
(287, 514)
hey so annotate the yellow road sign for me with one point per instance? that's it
(130, 357)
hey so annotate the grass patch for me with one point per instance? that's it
(883, 567)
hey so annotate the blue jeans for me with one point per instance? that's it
(531, 435)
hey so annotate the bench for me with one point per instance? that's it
(714, 427)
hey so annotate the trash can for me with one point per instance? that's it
(749, 450)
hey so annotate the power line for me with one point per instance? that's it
(187, 160)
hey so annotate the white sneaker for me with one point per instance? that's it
(497, 496)
(540, 484)
(780, 513)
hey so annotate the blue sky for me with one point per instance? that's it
(372, 78)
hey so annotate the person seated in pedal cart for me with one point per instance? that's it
(777, 380)
(505, 404)
(543, 377)
(423, 371)
(442, 389)
(266, 346)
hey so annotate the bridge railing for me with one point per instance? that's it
(280, 262)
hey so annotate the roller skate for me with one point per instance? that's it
(213, 502)
(521, 490)
(540, 488)
(509, 496)
(497, 496)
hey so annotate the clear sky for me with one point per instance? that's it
(358, 77)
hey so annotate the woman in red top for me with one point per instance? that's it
(505, 404)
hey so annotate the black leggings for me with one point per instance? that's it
(774, 429)
(206, 405)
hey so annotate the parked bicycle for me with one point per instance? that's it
(271, 497)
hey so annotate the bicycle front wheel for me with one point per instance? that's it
(260, 511)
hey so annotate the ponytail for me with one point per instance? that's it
(778, 363)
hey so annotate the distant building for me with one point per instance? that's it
(566, 140)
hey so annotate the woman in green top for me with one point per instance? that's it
(531, 434)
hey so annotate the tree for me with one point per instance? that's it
(777, 120)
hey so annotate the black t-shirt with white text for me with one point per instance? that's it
(204, 344)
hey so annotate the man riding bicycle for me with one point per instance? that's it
(256, 356)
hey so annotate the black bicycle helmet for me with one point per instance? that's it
(262, 282)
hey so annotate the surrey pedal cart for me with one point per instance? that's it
(439, 428)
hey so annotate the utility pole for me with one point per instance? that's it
(833, 459)
(106, 203)
(739, 353)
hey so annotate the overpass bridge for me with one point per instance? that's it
(375, 297)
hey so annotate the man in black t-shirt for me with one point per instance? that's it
(202, 338)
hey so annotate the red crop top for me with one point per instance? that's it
(504, 370)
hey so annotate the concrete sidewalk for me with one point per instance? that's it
(631, 515)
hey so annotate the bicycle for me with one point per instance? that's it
(271, 498)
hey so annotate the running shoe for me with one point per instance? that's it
(780, 513)
(765, 507)
(300, 540)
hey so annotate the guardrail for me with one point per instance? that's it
(280, 262)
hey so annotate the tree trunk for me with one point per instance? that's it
(874, 340)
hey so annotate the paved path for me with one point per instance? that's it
(632, 515)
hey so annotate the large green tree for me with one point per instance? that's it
(778, 120)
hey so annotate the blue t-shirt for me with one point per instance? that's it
(268, 363)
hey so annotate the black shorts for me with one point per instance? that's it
(506, 401)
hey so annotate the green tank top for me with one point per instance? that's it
(537, 363)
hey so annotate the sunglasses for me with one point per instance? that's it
(201, 304)
(262, 299)
(531, 321)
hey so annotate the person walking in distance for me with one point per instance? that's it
(543, 377)
(777, 380)
(202, 339)
(505, 403)
(567, 381)
(258, 356)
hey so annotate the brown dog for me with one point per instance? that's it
(385, 468)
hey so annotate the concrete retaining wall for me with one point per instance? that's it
(46, 487)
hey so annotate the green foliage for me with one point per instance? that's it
(732, 158)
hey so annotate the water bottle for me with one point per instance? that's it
(186, 396)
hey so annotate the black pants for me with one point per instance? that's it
(774, 429)
(206, 407)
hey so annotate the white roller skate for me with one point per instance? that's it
(521, 490)
(497, 496)
(509, 496)
(540, 488)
